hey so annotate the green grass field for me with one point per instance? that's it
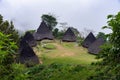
(63, 53)
(62, 61)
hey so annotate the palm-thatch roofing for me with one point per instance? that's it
(88, 40)
(94, 48)
(69, 36)
(27, 55)
(43, 32)
(30, 39)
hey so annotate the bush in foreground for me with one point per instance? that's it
(9, 70)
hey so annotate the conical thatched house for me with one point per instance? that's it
(43, 32)
(88, 40)
(30, 39)
(69, 36)
(27, 55)
(94, 48)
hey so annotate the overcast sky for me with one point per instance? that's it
(90, 14)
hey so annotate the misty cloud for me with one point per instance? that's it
(91, 14)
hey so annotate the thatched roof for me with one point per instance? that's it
(88, 40)
(27, 55)
(69, 36)
(94, 48)
(43, 32)
(30, 39)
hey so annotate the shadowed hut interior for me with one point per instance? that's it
(27, 55)
(43, 32)
(30, 39)
(69, 36)
(94, 48)
(88, 40)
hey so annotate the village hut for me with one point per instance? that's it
(30, 39)
(94, 48)
(88, 40)
(69, 36)
(43, 32)
(27, 55)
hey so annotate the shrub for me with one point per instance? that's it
(109, 67)
(8, 69)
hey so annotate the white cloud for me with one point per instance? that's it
(77, 13)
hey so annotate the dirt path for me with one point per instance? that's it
(63, 51)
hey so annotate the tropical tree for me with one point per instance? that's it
(50, 20)
(109, 67)
(1, 19)
(55, 32)
(8, 28)
(101, 34)
(64, 26)
(9, 70)
(58, 34)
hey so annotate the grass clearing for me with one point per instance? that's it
(67, 61)
(64, 53)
